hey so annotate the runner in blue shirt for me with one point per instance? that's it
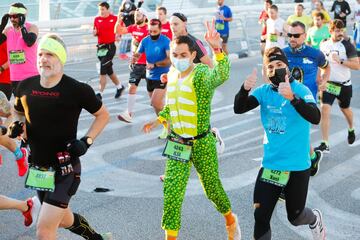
(157, 50)
(287, 111)
(223, 17)
(304, 64)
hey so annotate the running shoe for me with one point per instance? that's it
(98, 95)
(220, 145)
(351, 136)
(32, 213)
(315, 163)
(22, 163)
(125, 117)
(107, 236)
(164, 133)
(323, 147)
(318, 229)
(234, 231)
(119, 91)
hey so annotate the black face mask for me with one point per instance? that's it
(139, 22)
(155, 37)
(278, 77)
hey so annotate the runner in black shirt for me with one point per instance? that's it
(52, 103)
(341, 10)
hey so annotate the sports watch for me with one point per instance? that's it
(88, 140)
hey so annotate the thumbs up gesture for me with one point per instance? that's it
(250, 80)
(285, 89)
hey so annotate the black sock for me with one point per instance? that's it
(82, 228)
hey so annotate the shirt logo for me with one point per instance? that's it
(45, 94)
(307, 61)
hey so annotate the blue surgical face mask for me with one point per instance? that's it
(180, 64)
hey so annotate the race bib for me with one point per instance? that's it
(17, 57)
(278, 178)
(40, 180)
(219, 26)
(102, 52)
(177, 151)
(273, 38)
(333, 89)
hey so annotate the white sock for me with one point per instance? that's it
(131, 102)
(119, 86)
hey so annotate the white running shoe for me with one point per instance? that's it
(31, 216)
(220, 145)
(234, 231)
(107, 236)
(318, 229)
(125, 117)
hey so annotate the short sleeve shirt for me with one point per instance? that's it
(316, 35)
(155, 51)
(222, 26)
(105, 29)
(287, 132)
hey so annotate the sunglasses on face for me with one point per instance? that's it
(295, 35)
(13, 16)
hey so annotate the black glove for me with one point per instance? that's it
(21, 20)
(4, 21)
(77, 148)
(65, 163)
(16, 129)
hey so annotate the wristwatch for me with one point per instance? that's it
(88, 140)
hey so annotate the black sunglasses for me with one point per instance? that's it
(295, 35)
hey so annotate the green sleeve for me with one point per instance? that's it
(220, 73)
(165, 113)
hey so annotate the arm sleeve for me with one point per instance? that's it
(165, 113)
(332, 7)
(140, 4)
(348, 9)
(243, 102)
(2, 38)
(17, 103)
(88, 99)
(350, 49)
(220, 73)
(309, 111)
(29, 37)
(322, 62)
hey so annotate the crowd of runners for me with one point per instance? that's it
(307, 62)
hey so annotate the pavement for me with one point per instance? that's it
(128, 163)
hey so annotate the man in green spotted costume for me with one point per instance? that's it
(189, 93)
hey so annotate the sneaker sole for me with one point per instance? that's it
(318, 164)
(321, 219)
(121, 118)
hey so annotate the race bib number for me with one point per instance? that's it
(273, 38)
(219, 26)
(17, 57)
(177, 151)
(102, 52)
(40, 180)
(278, 178)
(333, 89)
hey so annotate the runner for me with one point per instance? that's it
(287, 109)
(356, 35)
(126, 13)
(51, 104)
(139, 31)
(342, 57)
(300, 16)
(319, 32)
(262, 21)
(190, 90)
(319, 7)
(341, 9)
(276, 29)
(304, 63)
(104, 30)
(165, 24)
(156, 47)
(223, 17)
(178, 24)
(21, 44)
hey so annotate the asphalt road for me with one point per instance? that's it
(129, 164)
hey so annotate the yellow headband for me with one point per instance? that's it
(53, 46)
(17, 10)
